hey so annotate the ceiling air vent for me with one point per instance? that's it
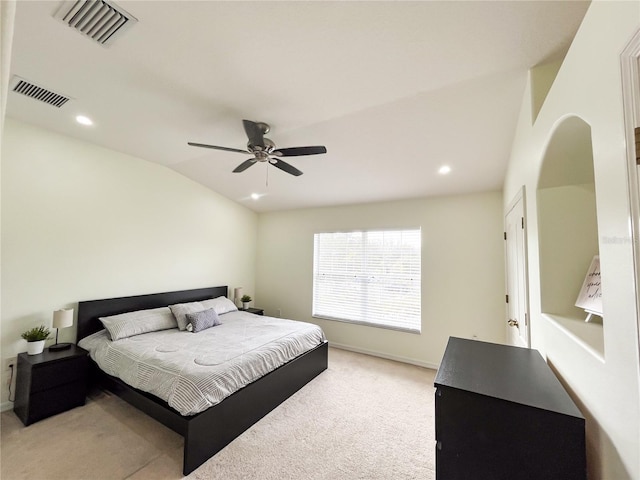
(99, 20)
(20, 85)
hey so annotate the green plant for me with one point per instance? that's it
(36, 334)
(246, 298)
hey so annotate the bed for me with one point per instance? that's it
(209, 431)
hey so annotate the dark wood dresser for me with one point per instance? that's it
(50, 383)
(501, 413)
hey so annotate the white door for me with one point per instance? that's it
(516, 273)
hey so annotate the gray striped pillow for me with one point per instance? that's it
(220, 305)
(180, 310)
(141, 321)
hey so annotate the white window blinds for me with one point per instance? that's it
(369, 277)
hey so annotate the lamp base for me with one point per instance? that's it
(59, 346)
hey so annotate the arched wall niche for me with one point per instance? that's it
(568, 159)
(568, 228)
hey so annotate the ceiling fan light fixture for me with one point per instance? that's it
(262, 148)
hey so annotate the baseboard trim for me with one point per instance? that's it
(373, 353)
(6, 406)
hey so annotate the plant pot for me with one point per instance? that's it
(245, 305)
(34, 348)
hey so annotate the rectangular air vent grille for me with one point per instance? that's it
(38, 93)
(99, 20)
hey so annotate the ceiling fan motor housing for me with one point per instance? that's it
(268, 147)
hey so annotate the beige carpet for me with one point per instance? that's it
(363, 418)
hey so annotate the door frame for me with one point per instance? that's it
(519, 197)
(630, 69)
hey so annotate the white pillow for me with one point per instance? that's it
(141, 321)
(180, 311)
(220, 305)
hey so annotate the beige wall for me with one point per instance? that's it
(606, 389)
(81, 222)
(462, 270)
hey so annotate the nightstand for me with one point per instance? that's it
(256, 311)
(50, 383)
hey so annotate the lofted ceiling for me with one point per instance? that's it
(394, 90)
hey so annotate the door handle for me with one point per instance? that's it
(512, 323)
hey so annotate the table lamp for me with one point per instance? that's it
(237, 295)
(61, 319)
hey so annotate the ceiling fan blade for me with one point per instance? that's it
(298, 151)
(214, 147)
(282, 165)
(254, 133)
(244, 165)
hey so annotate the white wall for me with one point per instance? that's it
(589, 86)
(462, 270)
(81, 222)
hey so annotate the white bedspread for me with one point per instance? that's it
(193, 371)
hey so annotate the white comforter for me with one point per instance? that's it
(193, 371)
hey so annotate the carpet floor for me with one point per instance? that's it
(363, 418)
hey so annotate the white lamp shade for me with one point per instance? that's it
(62, 318)
(237, 293)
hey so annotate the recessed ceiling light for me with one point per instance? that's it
(255, 196)
(82, 120)
(445, 169)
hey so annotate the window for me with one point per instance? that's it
(370, 277)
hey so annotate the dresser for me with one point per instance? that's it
(501, 413)
(50, 383)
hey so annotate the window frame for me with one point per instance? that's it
(416, 327)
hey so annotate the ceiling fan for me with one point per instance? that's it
(264, 150)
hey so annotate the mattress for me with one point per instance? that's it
(194, 371)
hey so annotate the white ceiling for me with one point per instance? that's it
(393, 89)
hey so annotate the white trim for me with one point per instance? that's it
(521, 196)
(630, 70)
(6, 406)
(373, 353)
(562, 324)
(416, 331)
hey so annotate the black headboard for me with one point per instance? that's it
(89, 312)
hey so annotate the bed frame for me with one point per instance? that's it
(208, 432)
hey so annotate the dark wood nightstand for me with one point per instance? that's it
(256, 311)
(50, 383)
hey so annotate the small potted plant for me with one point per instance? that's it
(245, 301)
(35, 338)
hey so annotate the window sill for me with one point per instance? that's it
(415, 331)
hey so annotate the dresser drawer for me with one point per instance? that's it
(50, 375)
(56, 400)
